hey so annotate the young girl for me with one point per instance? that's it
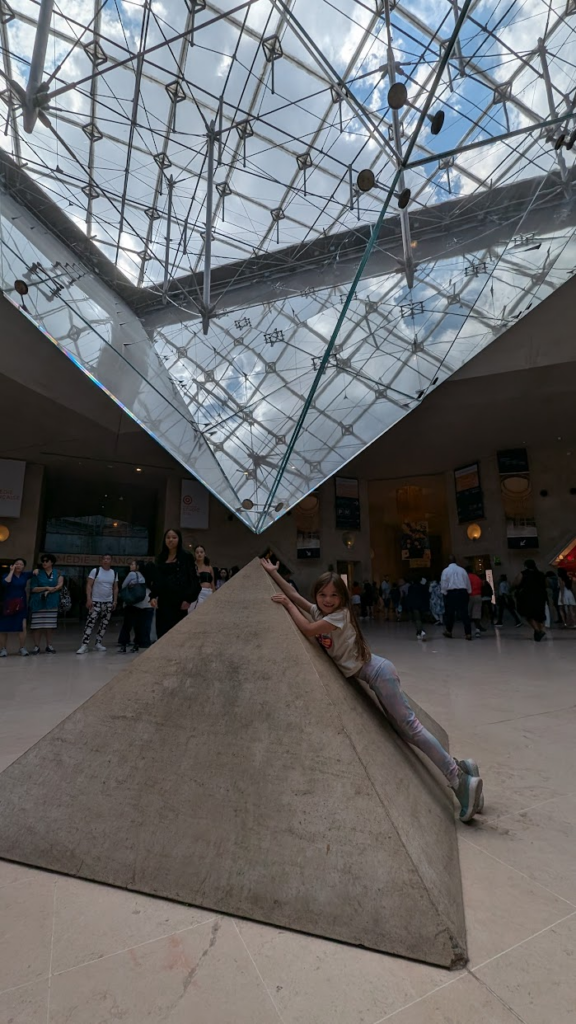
(335, 628)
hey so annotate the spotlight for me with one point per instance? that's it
(21, 287)
(571, 140)
(247, 504)
(366, 181)
(398, 98)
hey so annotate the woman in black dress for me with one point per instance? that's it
(175, 585)
(531, 597)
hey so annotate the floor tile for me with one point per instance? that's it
(11, 872)
(25, 1005)
(502, 906)
(92, 921)
(465, 1001)
(538, 979)
(540, 842)
(202, 976)
(314, 981)
(26, 914)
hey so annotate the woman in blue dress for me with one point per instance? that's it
(44, 604)
(13, 606)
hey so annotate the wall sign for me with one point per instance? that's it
(517, 499)
(469, 496)
(194, 506)
(347, 504)
(11, 487)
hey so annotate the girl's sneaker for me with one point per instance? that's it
(23, 652)
(468, 794)
(470, 766)
(50, 650)
(35, 650)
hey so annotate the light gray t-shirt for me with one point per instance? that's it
(340, 643)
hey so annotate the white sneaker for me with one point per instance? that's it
(99, 647)
(422, 635)
(477, 633)
(3, 653)
(82, 649)
(23, 652)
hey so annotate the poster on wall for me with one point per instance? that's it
(415, 544)
(347, 504)
(308, 544)
(469, 496)
(517, 499)
(194, 506)
(12, 475)
(307, 518)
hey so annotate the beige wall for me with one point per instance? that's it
(24, 531)
(552, 468)
(228, 542)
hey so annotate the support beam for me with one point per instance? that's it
(30, 107)
(206, 299)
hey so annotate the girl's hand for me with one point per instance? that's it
(282, 599)
(269, 566)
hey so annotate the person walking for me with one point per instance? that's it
(436, 603)
(417, 604)
(385, 588)
(223, 578)
(456, 588)
(175, 585)
(531, 597)
(13, 606)
(506, 601)
(487, 600)
(367, 600)
(475, 602)
(566, 599)
(145, 612)
(553, 596)
(45, 595)
(132, 593)
(101, 601)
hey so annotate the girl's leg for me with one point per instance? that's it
(382, 678)
(36, 636)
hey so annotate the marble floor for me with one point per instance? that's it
(76, 953)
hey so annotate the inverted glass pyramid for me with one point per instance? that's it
(183, 196)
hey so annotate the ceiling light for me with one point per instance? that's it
(398, 98)
(138, 470)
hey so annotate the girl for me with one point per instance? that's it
(334, 626)
(175, 585)
(205, 575)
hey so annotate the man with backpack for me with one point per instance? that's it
(101, 600)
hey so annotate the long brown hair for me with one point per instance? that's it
(362, 649)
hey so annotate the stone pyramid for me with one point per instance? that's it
(233, 767)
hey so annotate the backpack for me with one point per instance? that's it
(65, 602)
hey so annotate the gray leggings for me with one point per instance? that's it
(383, 679)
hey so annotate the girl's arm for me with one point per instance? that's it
(309, 629)
(289, 591)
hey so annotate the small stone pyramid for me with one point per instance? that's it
(233, 767)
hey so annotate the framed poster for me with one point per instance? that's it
(347, 503)
(11, 487)
(194, 506)
(469, 496)
(517, 499)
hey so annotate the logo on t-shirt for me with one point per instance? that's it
(325, 641)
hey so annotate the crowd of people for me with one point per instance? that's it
(164, 591)
(541, 599)
(177, 582)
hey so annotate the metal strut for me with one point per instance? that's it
(206, 309)
(31, 105)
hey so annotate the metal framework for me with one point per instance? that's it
(200, 161)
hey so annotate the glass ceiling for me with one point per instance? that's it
(275, 312)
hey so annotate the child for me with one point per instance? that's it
(335, 628)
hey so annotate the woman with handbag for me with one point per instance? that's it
(44, 604)
(132, 593)
(13, 606)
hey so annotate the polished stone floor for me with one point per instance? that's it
(77, 953)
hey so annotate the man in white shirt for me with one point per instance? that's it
(456, 588)
(101, 599)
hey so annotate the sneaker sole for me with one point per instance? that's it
(476, 794)
(471, 768)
